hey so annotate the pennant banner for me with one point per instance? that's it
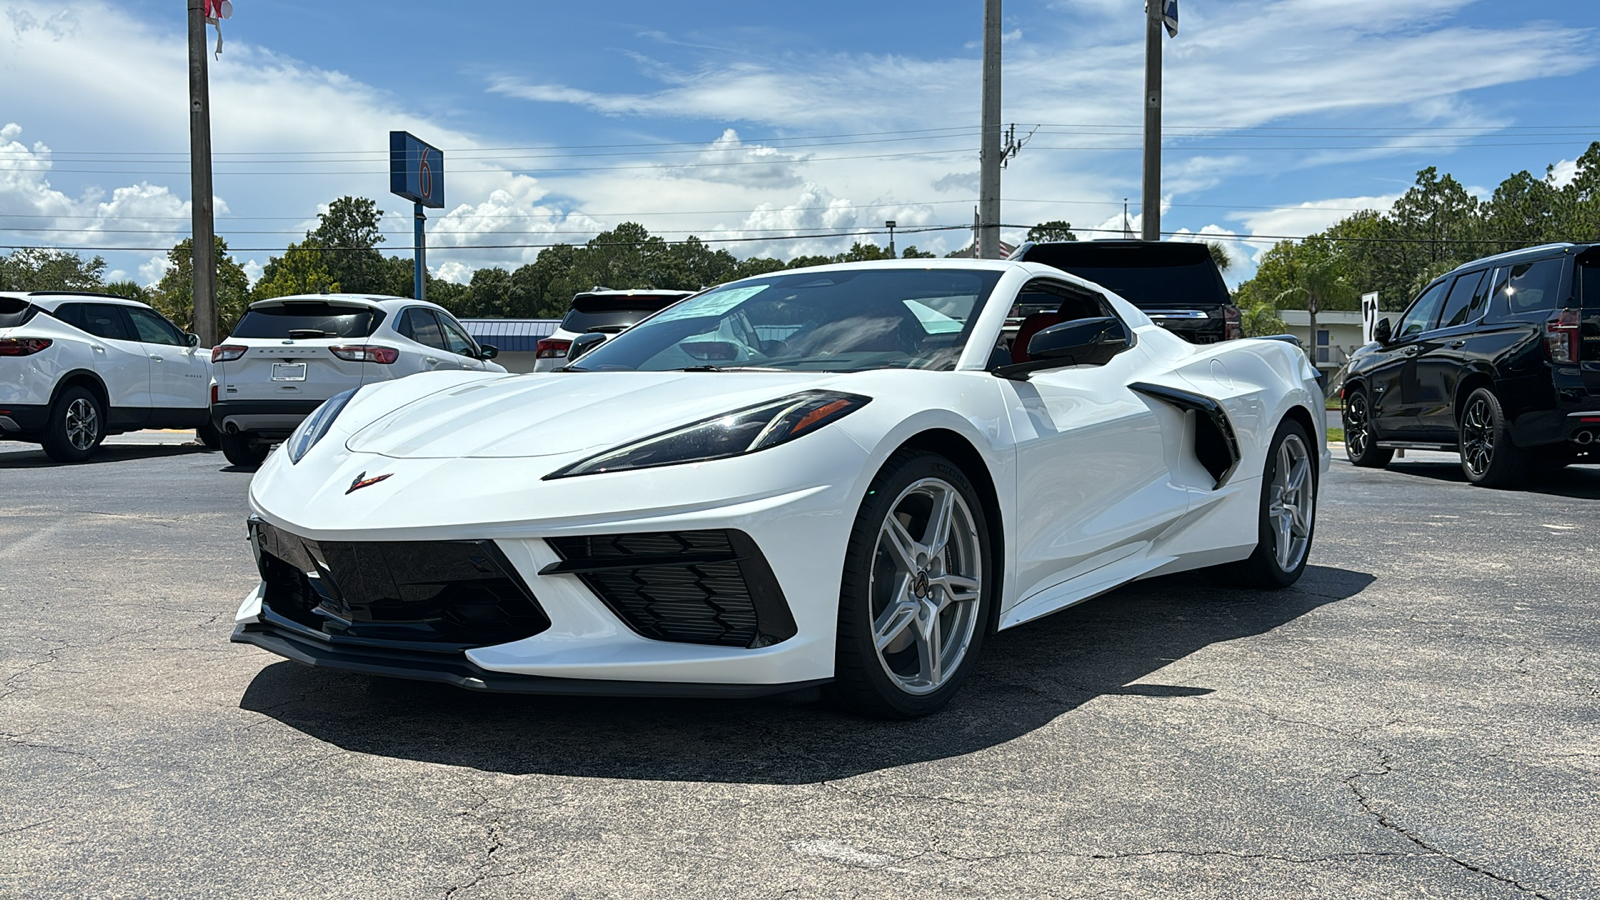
(1169, 16)
(215, 12)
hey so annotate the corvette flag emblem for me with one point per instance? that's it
(363, 481)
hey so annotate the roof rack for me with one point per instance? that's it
(79, 294)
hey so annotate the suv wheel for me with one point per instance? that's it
(243, 451)
(209, 435)
(1488, 457)
(1360, 440)
(76, 427)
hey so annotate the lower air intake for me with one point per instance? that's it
(697, 587)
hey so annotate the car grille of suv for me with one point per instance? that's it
(698, 587)
(424, 595)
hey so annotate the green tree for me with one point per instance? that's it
(348, 236)
(301, 270)
(174, 295)
(132, 290)
(912, 252)
(1055, 230)
(41, 269)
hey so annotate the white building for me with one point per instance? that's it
(1338, 334)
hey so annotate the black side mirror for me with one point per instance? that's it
(1383, 331)
(1082, 342)
(583, 343)
(193, 339)
(488, 351)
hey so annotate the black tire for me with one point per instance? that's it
(1360, 439)
(1488, 456)
(900, 682)
(1267, 567)
(209, 436)
(76, 427)
(243, 451)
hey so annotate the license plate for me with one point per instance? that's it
(288, 371)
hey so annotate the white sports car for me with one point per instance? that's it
(840, 476)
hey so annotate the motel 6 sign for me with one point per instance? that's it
(416, 170)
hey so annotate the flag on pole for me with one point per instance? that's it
(1169, 16)
(215, 12)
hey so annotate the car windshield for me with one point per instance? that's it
(613, 314)
(308, 320)
(842, 321)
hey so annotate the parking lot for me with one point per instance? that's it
(1417, 717)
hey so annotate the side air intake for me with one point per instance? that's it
(1215, 444)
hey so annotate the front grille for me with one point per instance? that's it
(697, 587)
(428, 595)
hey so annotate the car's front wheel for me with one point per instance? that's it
(1488, 457)
(1360, 440)
(77, 426)
(209, 436)
(243, 451)
(918, 583)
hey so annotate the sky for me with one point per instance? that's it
(767, 129)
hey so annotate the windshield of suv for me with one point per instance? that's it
(308, 320)
(842, 321)
(614, 313)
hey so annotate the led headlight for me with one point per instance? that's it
(316, 425)
(730, 434)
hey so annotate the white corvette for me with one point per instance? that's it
(839, 476)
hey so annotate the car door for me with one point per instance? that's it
(1093, 483)
(421, 325)
(459, 343)
(1443, 353)
(119, 359)
(1392, 380)
(178, 375)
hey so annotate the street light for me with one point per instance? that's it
(890, 225)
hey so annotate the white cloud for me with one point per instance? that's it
(731, 160)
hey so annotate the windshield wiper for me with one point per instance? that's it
(709, 368)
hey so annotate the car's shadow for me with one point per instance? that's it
(1028, 676)
(107, 453)
(1575, 482)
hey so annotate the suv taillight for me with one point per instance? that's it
(1562, 336)
(1232, 323)
(227, 353)
(364, 353)
(22, 346)
(551, 348)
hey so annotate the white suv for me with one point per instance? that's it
(600, 310)
(76, 367)
(289, 354)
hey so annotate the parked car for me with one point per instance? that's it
(1176, 283)
(600, 311)
(288, 355)
(1498, 360)
(823, 476)
(75, 367)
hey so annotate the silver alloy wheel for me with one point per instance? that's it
(1293, 502)
(83, 424)
(925, 586)
(1477, 436)
(1356, 424)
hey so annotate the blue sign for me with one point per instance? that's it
(416, 170)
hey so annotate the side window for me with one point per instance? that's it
(153, 329)
(1422, 314)
(1531, 287)
(104, 320)
(72, 314)
(1458, 306)
(422, 327)
(455, 338)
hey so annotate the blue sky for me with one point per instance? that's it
(767, 125)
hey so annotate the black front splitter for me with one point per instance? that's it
(457, 670)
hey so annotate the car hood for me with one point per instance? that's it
(563, 413)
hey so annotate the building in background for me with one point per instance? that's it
(517, 339)
(1338, 335)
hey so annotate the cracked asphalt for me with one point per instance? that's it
(1419, 717)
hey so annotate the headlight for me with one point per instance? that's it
(731, 434)
(316, 425)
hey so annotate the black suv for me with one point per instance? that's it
(1498, 360)
(1177, 284)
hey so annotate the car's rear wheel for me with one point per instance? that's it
(1488, 456)
(1288, 514)
(1360, 441)
(917, 587)
(243, 451)
(76, 427)
(209, 435)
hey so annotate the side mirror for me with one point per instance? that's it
(193, 339)
(1081, 342)
(488, 351)
(1383, 331)
(583, 343)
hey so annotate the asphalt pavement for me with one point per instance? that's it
(1419, 717)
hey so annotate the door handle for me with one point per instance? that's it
(156, 358)
(98, 348)
(431, 360)
(1456, 345)
(1411, 351)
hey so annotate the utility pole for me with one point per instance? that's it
(890, 225)
(1151, 204)
(204, 229)
(990, 156)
